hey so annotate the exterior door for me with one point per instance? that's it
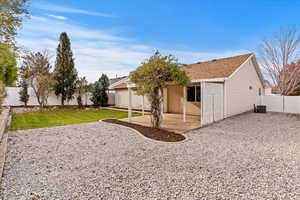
(212, 102)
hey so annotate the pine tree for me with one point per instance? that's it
(96, 94)
(79, 101)
(99, 93)
(104, 83)
(65, 74)
(24, 96)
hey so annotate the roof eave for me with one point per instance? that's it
(208, 80)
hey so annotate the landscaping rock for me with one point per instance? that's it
(251, 156)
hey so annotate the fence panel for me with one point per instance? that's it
(12, 98)
(292, 104)
(273, 103)
(286, 104)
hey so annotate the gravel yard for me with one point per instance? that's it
(251, 156)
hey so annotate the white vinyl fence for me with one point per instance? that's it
(12, 98)
(285, 104)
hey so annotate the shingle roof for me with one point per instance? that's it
(120, 86)
(114, 80)
(220, 68)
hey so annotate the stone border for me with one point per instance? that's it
(4, 117)
(152, 140)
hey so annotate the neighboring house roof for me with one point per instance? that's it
(218, 68)
(120, 85)
(114, 80)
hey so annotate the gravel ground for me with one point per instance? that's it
(252, 156)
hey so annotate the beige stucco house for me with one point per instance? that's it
(218, 89)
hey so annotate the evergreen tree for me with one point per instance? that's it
(65, 74)
(79, 101)
(99, 92)
(24, 96)
(96, 94)
(104, 83)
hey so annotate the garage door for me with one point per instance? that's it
(212, 102)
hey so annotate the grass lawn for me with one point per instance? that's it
(63, 117)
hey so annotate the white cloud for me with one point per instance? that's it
(97, 51)
(63, 9)
(58, 17)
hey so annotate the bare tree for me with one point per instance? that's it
(36, 69)
(293, 71)
(276, 56)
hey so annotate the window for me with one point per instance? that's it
(259, 91)
(194, 94)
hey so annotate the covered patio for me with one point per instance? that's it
(171, 122)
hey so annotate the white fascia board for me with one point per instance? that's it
(130, 85)
(208, 80)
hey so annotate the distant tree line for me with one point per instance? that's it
(36, 71)
(63, 80)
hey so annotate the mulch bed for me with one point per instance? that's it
(149, 132)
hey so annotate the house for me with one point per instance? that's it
(218, 89)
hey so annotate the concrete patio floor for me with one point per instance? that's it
(171, 122)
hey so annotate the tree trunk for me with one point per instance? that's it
(156, 108)
(62, 101)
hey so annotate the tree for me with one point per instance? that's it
(295, 68)
(3, 93)
(8, 65)
(12, 13)
(276, 54)
(81, 89)
(65, 74)
(99, 92)
(79, 101)
(104, 84)
(24, 96)
(36, 69)
(96, 96)
(152, 76)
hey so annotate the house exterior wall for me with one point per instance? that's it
(175, 101)
(122, 100)
(242, 90)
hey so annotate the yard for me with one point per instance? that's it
(251, 156)
(63, 117)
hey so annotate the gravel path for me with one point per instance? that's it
(252, 156)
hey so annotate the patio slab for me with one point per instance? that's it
(171, 122)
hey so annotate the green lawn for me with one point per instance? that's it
(62, 117)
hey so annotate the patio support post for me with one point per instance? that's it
(184, 104)
(143, 105)
(129, 104)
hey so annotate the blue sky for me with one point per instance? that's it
(115, 36)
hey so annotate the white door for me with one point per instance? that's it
(212, 102)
